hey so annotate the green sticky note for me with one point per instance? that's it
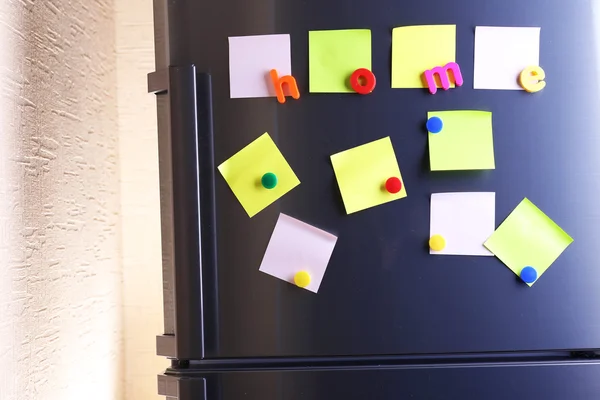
(334, 55)
(465, 141)
(528, 238)
(362, 172)
(244, 173)
(416, 49)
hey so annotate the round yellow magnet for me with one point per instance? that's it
(302, 279)
(437, 243)
(532, 79)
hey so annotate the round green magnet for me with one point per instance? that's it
(269, 180)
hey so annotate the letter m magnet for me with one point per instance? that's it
(443, 74)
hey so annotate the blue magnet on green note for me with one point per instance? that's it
(528, 274)
(435, 125)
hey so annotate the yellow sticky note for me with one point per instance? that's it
(465, 142)
(334, 55)
(362, 172)
(416, 49)
(245, 169)
(528, 238)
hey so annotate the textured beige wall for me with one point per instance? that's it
(60, 319)
(79, 229)
(140, 206)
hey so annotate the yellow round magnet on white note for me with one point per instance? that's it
(437, 243)
(302, 279)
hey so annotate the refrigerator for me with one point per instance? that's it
(390, 320)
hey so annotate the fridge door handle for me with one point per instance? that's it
(184, 106)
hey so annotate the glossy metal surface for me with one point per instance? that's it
(383, 293)
(549, 382)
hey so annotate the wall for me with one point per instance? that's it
(79, 228)
(140, 208)
(60, 319)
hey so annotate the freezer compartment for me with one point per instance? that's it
(492, 382)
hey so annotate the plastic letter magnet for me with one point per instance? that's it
(528, 274)
(302, 279)
(269, 180)
(435, 125)
(443, 73)
(532, 79)
(437, 243)
(363, 81)
(278, 82)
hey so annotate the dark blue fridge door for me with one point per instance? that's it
(543, 381)
(382, 293)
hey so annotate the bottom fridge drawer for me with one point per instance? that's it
(576, 381)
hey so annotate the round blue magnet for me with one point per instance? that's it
(528, 274)
(435, 125)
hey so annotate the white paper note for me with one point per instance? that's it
(501, 53)
(296, 246)
(464, 220)
(251, 58)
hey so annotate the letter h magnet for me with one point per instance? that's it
(278, 83)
